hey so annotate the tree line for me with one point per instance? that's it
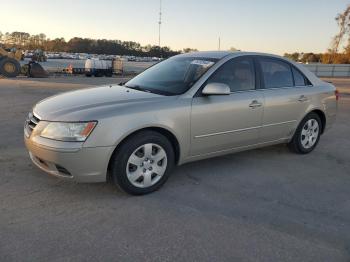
(26, 41)
(324, 58)
(339, 51)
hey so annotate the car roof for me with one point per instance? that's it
(221, 54)
(208, 54)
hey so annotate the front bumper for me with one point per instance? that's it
(81, 164)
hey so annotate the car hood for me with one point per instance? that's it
(91, 103)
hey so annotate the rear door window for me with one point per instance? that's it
(276, 73)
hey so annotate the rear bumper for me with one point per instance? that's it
(86, 165)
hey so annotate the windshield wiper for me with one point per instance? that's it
(150, 90)
(139, 88)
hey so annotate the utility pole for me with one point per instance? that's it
(219, 43)
(160, 20)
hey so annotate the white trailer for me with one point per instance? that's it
(96, 67)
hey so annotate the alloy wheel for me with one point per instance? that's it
(146, 165)
(309, 133)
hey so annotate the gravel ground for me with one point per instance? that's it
(260, 205)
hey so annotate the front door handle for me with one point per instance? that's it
(303, 99)
(255, 104)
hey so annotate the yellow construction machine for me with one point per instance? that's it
(9, 62)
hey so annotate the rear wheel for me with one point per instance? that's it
(307, 134)
(143, 163)
(9, 67)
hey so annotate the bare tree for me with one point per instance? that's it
(42, 38)
(343, 21)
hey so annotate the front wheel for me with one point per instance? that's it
(307, 134)
(143, 163)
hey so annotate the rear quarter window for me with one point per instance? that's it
(299, 78)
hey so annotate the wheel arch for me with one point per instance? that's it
(161, 130)
(323, 118)
(320, 114)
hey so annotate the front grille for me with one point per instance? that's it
(31, 122)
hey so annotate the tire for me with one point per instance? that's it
(9, 67)
(132, 168)
(307, 135)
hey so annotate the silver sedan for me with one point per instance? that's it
(186, 108)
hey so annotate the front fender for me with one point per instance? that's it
(173, 117)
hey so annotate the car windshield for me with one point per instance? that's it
(173, 76)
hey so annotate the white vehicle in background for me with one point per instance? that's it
(97, 68)
(156, 59)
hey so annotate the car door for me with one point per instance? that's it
(286, 98)
(223, 122)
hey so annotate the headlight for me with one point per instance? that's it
(69, 132)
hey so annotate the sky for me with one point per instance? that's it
(273, 26)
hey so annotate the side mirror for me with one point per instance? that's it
(216, 89)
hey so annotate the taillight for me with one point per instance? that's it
(336, 92)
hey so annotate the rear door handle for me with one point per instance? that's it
(303, 99)
(255, 104)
